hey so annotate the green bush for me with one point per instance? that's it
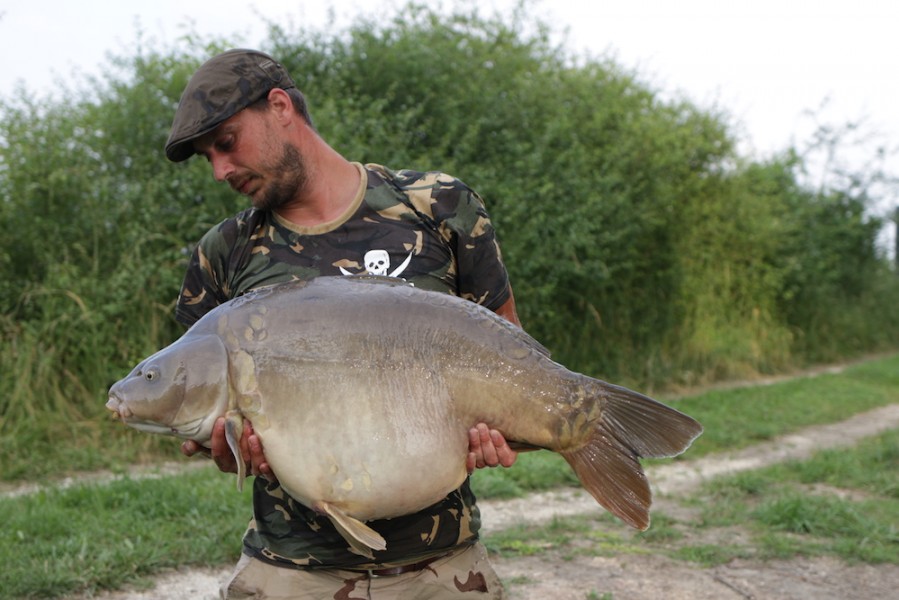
(642, 247)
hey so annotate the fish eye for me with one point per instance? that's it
(151, 374)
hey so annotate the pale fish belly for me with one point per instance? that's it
(334, 438)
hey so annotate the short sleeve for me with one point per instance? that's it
(464, 221)
(206, 282)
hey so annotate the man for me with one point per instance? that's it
(316, 213)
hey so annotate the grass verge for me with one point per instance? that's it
(840, 503)
(92, 537)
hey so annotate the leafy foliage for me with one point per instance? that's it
(642, 247)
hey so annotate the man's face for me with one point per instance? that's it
(248, 152)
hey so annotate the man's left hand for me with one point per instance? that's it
(488, 448)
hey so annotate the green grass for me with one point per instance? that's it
(47, 450)
(93, 537)
(839, 502)
(740, 417)
(97, 536)
(569, 536)
(533, 472)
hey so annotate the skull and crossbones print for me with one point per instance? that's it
(377, 262)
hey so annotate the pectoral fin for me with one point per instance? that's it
(362, 538)
(233, 433)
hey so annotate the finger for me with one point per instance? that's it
(217, 442)
(255, 454)
(219, 449)
(259, 465)
(189, 448)
(471, 462)
(487, 449)
(192, 448)
(505, 455)
(474, 439)
(475, 458)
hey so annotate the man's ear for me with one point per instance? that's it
(280, 103)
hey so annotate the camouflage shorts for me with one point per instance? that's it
(465, 574)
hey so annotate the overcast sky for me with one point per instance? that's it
(765, 62)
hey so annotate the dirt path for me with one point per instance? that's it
(551, 576)
(650, 577)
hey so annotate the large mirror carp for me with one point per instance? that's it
(362, 391)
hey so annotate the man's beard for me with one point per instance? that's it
(291, 179)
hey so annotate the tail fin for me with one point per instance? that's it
(631, 426)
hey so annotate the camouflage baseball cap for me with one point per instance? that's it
(223, 86)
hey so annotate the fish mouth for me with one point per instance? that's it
(118, 409)
(121, 412)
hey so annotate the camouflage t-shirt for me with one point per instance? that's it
(427, 228)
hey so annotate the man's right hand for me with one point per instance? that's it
(220, 452)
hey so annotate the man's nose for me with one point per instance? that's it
(221, 168)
